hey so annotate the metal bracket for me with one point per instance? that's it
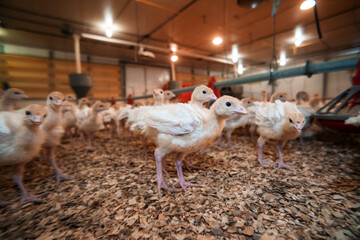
(308, 73)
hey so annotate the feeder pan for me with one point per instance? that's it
(80, 83)
(345, 105)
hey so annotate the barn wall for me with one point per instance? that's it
(38, 76)
(42, 74)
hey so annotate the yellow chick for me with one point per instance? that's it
(9, 97)
(168, 95)
(20, 141)
(178, 128)
(280, 121)
(91, 122)
(53, 130)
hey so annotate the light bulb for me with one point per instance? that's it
(307, 4)
(108, 32)
(217, 40)
(174, 58)
(234, 53)
(240, 68)
(298, 36)
(282, 59)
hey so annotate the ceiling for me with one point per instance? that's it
(191, 24)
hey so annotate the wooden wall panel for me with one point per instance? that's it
(193, 79)
(27, 73)
(39, 76)
(106, 81)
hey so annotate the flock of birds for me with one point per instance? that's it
(179, 128)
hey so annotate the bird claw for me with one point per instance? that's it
(184, 185)
(264, 162)
(29, 199)
(162, 185)
(283, 165)
(62, 177)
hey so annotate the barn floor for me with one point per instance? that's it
(112, 195)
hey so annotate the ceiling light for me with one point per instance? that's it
(108, 32)
(298, 42)
(282, 58)
(217, 40)
(235, 53)
(298, 36)
(307, 4)
(108, 20)
(240, 68)
(174, 58)
(173, 47)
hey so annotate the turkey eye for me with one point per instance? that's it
(228, 104)
(51, 98)
(248, 102)
(290, 120)
(17, 93)
(45, 116)
(160, 92)
(204, 92)
(101, 106)
(168, 93)
(28, 113)
(281, 96)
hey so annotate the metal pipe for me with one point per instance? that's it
(77, 52)
(173, 74)
(309, 68)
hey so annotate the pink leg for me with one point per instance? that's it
(90, 147)
(260, 154)
(51, 158)
(301, 139)
(220, 138)
(281, 163)
(181, 180)
(228, 135)
(18, 178)
(160, 180)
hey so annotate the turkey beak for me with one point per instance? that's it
(213, 97)
(36, 119)
(241, 110)
(298, 127)
(25, 96)
(58, 102)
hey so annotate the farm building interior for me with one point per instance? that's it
(180, 119)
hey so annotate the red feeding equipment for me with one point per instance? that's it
(112, 101)
(342, 107)
(185, 97)
(129, 100)
(211, 85)
(356, 78)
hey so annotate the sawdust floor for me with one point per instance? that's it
(112, 195)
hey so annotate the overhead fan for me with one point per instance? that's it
(142, 52)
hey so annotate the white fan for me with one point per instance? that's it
(145, 53)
